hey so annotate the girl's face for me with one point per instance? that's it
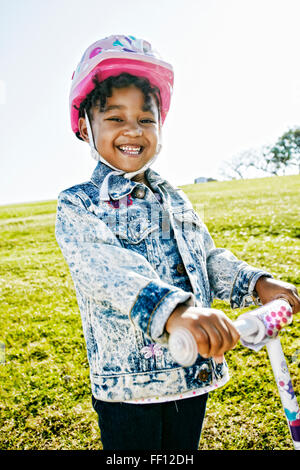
(125, 134)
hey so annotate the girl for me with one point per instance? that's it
(142, 261)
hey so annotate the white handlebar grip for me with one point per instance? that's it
(183, 346)
(250, 328)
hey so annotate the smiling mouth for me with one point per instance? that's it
(131, 150)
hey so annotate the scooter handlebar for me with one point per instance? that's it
(253, 329)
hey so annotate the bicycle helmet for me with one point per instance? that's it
(110, 57)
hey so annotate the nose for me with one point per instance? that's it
(133, 130)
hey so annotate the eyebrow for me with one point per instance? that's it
(114, 106)
(120, 106)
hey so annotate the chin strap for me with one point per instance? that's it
(104, 196)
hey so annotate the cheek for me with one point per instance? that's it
(153, 136)
(104, 138)
(156, 140)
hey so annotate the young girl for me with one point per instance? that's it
(142, 261)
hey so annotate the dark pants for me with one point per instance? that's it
(174, 425)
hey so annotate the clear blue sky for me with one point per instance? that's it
(237, 83)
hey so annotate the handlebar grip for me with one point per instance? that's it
(183, 346)
(260, 325)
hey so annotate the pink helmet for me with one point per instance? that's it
(110, 57)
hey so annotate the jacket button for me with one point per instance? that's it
(203, 375)
(140, 193)
(180, 268)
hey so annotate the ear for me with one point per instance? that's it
(83, 129)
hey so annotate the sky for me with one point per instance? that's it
(237, 83)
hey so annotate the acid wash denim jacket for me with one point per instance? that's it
(133, 259)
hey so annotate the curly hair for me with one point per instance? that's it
(98, 96)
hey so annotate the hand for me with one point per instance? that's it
(213, 331)
(269, 289)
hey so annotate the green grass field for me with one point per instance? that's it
(45, 391)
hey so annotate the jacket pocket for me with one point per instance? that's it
(135, 231)
(141, 235)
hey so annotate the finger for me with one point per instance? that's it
(235, 336)
(219, 359)
(202, 340)
(215, 339)
(228, 333)
(296, 297)
(294, 302)
(296, 308)
(292, 298)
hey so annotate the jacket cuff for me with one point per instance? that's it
(154, 305)
(243, 293)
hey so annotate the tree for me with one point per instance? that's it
(238, 167)
(286, 150)
(260, 160)
(270, 159)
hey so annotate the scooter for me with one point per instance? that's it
(257, 328)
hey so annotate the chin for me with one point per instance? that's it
(130, 166)
(130, 169)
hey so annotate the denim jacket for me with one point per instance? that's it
(133, 259)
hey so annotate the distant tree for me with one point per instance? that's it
(262, 160)
(286, 150)
(271, 159)
(236, 167)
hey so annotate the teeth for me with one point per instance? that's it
(129, 149)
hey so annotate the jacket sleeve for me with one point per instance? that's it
(230, 279)
(110, 274)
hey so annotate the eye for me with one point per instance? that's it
(114, 119)
(148, 121)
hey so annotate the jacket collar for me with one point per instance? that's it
(118, 186)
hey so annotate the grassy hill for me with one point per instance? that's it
(45, 392)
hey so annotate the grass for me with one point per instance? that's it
(45, 390)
